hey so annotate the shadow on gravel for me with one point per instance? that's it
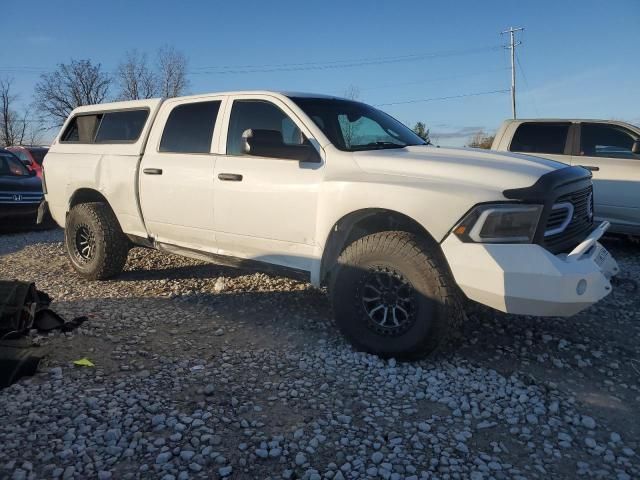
(16, 236)
(205, 272)
(142, 330)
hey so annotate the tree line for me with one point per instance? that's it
(84, 82)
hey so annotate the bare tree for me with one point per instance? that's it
(352, 92)
(172, 72)
(135, 78)
(79, 82)
(481, 140)
(36, 131)
(13, 125)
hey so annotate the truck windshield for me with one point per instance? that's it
(11, 166)
(354, 126)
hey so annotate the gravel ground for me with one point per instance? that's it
(205, 372)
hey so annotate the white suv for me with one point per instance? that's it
(335, 190)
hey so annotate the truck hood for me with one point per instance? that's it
(488, 170)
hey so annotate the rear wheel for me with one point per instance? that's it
(94, 241)
(392, 296)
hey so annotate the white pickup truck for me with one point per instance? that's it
(609, 148)
(399, 231)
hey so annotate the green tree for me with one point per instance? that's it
(422, 131)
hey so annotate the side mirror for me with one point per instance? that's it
(269, 143)
(32, 173)
(636, 148)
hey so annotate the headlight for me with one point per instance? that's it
(499, 223)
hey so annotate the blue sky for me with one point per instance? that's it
(578, 58)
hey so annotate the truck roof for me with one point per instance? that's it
(558, 120)
(151, 101)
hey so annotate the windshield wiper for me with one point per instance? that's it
(378, 146)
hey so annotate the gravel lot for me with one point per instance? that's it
(204, 372)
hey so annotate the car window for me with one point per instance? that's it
(22, 155)
(81, 129)
(540, 138)
(189, 128)
(365, 131)
(11, 166)
(38, 154)
(108, 127)
(354, 126)
(602, 140)
(125, 126)
(260, 115)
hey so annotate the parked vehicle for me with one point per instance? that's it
(338, 191)
(20, 190)
(610, 149)
(31, 156)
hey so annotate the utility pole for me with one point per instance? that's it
(512, 46)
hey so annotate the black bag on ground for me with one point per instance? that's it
(19, 302)
(23, 306)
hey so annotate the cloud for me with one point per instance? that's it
(460, 132)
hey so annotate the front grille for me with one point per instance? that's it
(20, 197)
(578, 227)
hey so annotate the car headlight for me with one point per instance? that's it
(499, 223)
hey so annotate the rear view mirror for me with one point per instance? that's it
(636, 148)
(269, 143)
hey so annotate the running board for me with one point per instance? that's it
(235, 262)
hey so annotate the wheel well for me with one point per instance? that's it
(86, 195)
(358, 224)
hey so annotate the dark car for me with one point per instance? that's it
(20, 190)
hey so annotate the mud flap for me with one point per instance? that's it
(43, 211)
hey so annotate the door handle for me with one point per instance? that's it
(593, 169)
(230, 177)
(152, 171)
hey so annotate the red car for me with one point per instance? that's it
(32, 157)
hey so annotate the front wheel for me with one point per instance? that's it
(392, 296)
(94, 241)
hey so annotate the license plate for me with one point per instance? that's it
(601, 256)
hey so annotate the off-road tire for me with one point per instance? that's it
(402, 255)
(110, 245)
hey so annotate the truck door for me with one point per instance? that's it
(176, 173)
(606, 149)
(265, 204)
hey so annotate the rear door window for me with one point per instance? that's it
(189, 128)
(540, 138)
(604, 140)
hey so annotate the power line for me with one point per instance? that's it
(288, 67)
(535, 103)
(334, 64)
(450, 97)
(437, 79)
